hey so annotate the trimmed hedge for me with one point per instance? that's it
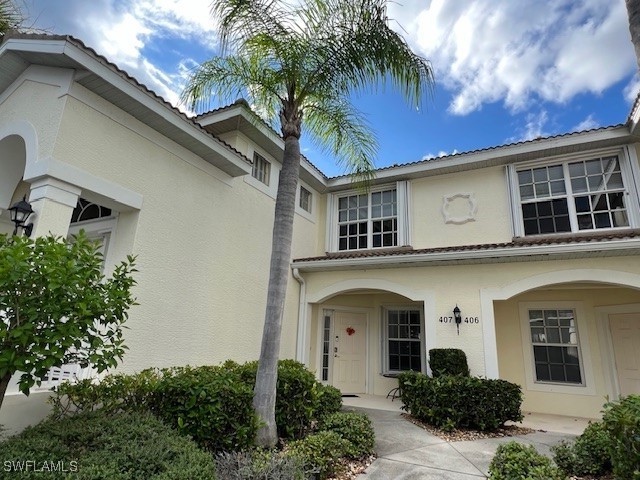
(587, 455)
(448, 361)
(354, 427)
(97, 445)
(449, 402)
(321, 452)
(514, 460)
(211, 404)
(328, 401)
(622, 421)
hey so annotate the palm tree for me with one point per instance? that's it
(298, 63)
(633, 12)
(10, 16)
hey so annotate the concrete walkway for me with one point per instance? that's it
(406, 451)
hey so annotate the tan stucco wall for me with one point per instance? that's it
(511, 347)
(491, 224)
(202, 241)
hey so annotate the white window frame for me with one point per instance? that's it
(403, 195)
(628, 168)
(265, 177)
(310, 208)
(587, 387)
(384, 349)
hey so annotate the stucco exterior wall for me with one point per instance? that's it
(491, 223)
(202, 240)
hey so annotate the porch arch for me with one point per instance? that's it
(489, 295)
(361, 284)
(18, 149)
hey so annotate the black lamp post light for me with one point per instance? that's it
(20, 213)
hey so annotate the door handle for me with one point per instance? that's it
(335, 351)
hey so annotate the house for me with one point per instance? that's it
(536, 243)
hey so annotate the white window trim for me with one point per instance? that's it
(588, 384)
(629, 171)
(314, 202)
(274, 171)
(384, 349)
(403, 194)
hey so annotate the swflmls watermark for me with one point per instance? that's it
(39, 466)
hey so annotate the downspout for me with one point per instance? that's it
(302, 318)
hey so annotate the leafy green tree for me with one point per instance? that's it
(298, 63)
(56, 307)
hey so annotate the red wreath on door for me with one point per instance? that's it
(350, 331)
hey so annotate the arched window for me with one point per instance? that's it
(85, 210)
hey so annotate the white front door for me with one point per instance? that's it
(625, 333)
(350, 352)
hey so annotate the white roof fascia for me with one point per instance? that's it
(619, 132)
(38, 46)
(235, 110)
(504, 252)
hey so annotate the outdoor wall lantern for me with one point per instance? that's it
(457, 315)
(20, 213)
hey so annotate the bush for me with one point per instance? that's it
(295, 396)
(210, 404)
(353, 427)
(448, 361)
(320, 452)
(622, 422)
(259, 464)
(516, 461)
(97, 446)
(588, 455)
(328, 401)
(114, 393)
(449, 402)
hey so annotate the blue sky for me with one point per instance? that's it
(506, 70)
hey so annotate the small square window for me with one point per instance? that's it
(261, 168)
(305, 199)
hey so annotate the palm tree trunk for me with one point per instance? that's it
(633, 12)
(264, 399)
(4, 383)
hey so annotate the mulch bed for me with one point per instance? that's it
(354, 468)
(461, 435)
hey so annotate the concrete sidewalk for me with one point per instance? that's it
(406, 451)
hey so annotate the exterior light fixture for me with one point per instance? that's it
(20, 213)
(457, 315)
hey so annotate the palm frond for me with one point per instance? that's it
(11, 16)
(336, 126)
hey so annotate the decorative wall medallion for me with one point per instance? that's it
(459, 208)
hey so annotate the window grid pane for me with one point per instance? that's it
(404, 344)
(595, 187)
(261, 168)
(556, 354)
(326, 341)
(305, 199)
(368, 221)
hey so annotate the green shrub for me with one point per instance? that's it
(328, 401)
(94, 445)
(321, 452)
(354, 427)
(448, 361)
(210, 404)
(295, 396)
(516, 461)
(449, 402)
(260, 464)
(622, 422)
(114, 393)
(588, 455)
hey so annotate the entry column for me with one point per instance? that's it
(53, 202)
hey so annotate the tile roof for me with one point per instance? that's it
(122, 73)
(516, 243)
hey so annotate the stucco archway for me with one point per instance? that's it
(489, 295)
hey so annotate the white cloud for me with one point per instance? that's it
(533, 128)
(441, 153)
(588, 123)
(632, 89)
(519, 52)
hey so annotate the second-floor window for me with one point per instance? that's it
(305, 199)
(261, 168)
(368, 220)
(573, 196)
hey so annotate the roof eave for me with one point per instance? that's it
(504, 254)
